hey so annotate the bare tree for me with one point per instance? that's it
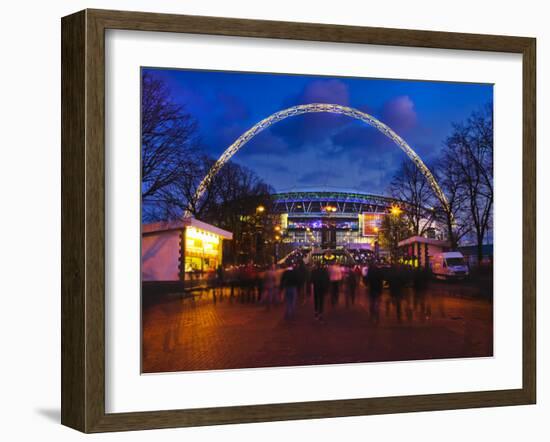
(456, 216)
(469, 157)
(409, 185)
(237, 192)
(168, 149)
(394, 229)
(235, 195)
(173, 166)
(179, 197)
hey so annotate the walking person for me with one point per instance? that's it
(308, 285)
(270, 286)
(321, 283)
(397, 281)
(335, 275)
(352, 280)
(365, 275)
(375, 282)
(220, 280)
(301, 273)
(289, 284)
(249, 282)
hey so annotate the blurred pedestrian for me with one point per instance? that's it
(321, 282)
(301, 273)
(289, 284)
(397, 281)
(365, 275)
(335, 275)
(270, 286)
(220, 280)
(351, 286)
(375, 281)
(249, 282)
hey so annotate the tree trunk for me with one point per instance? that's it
(479, 250)
(452, 238)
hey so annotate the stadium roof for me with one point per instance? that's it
(333, 195)
(324, 189)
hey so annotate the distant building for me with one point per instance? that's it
(180, 250)
(327, 218)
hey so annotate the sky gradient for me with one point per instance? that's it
(321, 150)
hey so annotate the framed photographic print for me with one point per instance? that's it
(268, 221)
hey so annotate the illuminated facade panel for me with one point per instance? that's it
(372, 222)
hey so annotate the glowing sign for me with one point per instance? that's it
(207, 237)
(372, 222)
(201, 243)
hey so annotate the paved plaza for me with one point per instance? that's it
(226, 333)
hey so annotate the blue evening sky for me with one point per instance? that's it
(320, 150)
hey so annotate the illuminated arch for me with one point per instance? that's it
(319, 108)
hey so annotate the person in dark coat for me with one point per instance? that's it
(289, 284)
(301, 273)
(376, 281)
(352, 279)
(321, 284)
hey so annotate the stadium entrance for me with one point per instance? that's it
(330, 219)
(328, 237)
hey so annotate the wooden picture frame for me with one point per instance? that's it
(83, 220)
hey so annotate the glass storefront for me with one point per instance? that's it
(203, 250)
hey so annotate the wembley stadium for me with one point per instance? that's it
(330, 219)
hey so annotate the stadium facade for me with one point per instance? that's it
(332, 219)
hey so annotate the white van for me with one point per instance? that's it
(449, 265)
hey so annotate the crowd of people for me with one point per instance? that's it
(298, 282)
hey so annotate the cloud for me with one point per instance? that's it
(341, 151)
(265, 143)
(427, 151)
(399, 114)
(273, 166)
(377, 174)
(362, 143)
(229, 120)
(325, 91)
(313, 128)
(359, 135)
(330, 134)
(291, 135)
(367, 144)
(231, 107)
(318, 176)
(265, 163)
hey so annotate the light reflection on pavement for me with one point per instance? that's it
(444, 321)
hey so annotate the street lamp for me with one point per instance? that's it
(260, 209)
(395, 210)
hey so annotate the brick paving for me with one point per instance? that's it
(182, 335)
